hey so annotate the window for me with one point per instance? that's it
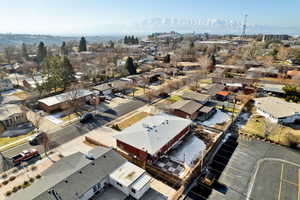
(133, 190)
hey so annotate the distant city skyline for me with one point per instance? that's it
(92, 17)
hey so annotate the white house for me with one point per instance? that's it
(278, 110)
(102, 172)
(131, 180)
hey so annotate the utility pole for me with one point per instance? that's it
(244, 26)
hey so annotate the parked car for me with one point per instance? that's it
(24, 156)
(36, 139)
(86, 117)
(120, 95)
(163, 95)
(108, 98)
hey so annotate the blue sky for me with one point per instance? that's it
(109, 16)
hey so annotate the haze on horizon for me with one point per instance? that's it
(91, 17)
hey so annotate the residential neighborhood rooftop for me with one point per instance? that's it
(67, 96)
(72, 176)
(277, 107)
(153, 132)
(187, 106)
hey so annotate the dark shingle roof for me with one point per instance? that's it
(74, 175)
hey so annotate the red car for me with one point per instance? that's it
(24, 156)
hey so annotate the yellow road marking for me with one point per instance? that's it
(298, 184)
(280, 184)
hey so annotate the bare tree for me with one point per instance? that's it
(8, 53)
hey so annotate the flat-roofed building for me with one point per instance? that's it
(153, 136)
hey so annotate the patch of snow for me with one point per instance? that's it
(54, 119)
(190, 149)
(218, 118)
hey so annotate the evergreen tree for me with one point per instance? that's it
(167, 58)
(130, 66)
(68, 73)
(64, 49)
(213, 59)
(82, 44)
(24, 52)
(126, 40)
(42, 52)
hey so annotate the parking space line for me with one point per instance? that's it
(280, 184)
(298, 184)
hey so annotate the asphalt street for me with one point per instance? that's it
(74, 130)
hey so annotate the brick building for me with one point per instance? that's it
(153, 136)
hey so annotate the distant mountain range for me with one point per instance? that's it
(18, 39)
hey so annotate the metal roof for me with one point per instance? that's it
(153, 132)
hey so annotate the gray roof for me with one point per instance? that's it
(277, 107)
(187, 106)
(153, 132)
(206, 109)
(273, 88)
(214, 88)
(9, 110)
(102, 87)
(195, 96)
(67, 96)
(72, 176)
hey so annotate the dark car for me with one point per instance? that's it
(86, 117)
(163, 95)
(36, 139)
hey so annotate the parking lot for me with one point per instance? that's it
(255, 171)
(260, 170)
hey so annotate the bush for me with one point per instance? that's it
(15, 170)
(60, 155)
(4, 175)
(5, 182)
(31, 180)
(25, 184)
(19, 187)
(38, 176)
(8, 193)
(12, 178)
(15, 189)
